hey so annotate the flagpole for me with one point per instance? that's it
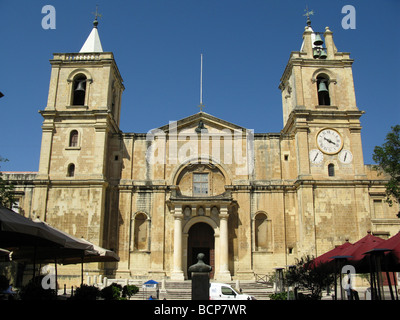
(201, 80)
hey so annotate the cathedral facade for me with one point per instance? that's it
(251, 202)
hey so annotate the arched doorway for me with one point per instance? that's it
(201, 240)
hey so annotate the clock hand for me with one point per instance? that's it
(345, 156)
(329, 140)
(315, 157)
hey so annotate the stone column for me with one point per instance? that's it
(177, 273)
(223, 273)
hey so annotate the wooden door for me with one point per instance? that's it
(201, 240)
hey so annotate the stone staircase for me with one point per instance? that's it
(183, 290)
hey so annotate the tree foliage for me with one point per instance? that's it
(86, 292)
(387, 158)
(6, 190)
(304, 275)
(116, 292)
(111, 292)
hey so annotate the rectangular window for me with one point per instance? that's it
(378, 209)
(200, 183)
(331, 170)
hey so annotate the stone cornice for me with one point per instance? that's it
(296, 59)
(75, 113)
(103, 118)
(339, 183)
(85, 58)
(300, 118)
(253, 186)
(70, 182)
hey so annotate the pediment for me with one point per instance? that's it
(213, 124)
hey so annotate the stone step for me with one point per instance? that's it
(182, 290)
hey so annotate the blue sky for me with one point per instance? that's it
(157, 46)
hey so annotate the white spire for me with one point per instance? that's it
(92, 43)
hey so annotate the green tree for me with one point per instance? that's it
(111, 292)
(129, 290)
(86, 292)
(305, 275)
(387, 158)
(6, 190)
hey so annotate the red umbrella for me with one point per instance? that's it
(386, 257)
(355, 253)
(327, 256)
(391, 248)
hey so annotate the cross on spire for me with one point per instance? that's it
(96, 15)
(308, 14)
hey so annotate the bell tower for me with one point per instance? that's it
(83, 108)
(80, 140)
(320, 109)
(318, 77)
(321, 121)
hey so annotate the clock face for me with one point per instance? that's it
(316, 156)
(329, 141)
(345, 156)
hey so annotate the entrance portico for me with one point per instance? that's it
(187, 213)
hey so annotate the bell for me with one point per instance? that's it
(318, 41)
(80, 86)
(316, 53)
(322, 87)
(201, 127)
(323, 54)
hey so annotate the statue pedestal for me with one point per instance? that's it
(200, 279)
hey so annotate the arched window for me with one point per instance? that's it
(73, 138)
(79, 90)
(71, 170)
(323, 90)
(263, 232)
(331, 170)
(140, 232)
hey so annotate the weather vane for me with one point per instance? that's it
(96, 15)
(308, 14)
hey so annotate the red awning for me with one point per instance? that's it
(327, 257)
(391, 250)
(355, 254)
